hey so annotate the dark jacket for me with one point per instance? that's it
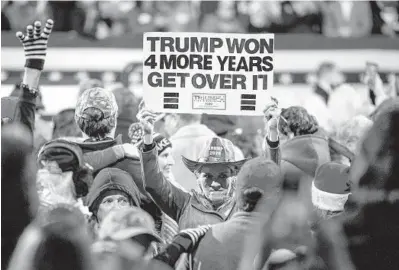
(101, 155)
(20, 109)
(110, 160)
(222, 246)
(189, 210)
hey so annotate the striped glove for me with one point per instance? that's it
(195, 235)
(35, 43)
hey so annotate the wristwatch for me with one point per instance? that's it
(25, 87)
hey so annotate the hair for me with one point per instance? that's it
(324, 67)
(82, 180)
(298, 121)
(250, 198)
(64, 246)
(94, 125)
(65, 125)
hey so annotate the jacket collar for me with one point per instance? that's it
(100, 145)
(202, 204)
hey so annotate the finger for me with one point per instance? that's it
(147, 114)
(20, 36)
(141, 105)
(29, 31)
(149, 119)
(38, 29)
(48, 28)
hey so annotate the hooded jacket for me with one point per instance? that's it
(107, 157)
(112, 179)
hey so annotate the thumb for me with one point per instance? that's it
(142, 105)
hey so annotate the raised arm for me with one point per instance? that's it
(35, 47)
(272, 140)
(168, 197)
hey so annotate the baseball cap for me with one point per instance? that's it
(127, 223)
(98, 98)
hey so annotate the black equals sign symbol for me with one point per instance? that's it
(171, 100)
(248, 102)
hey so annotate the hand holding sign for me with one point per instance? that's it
(136, 133)
(272, 114)
(147, 118)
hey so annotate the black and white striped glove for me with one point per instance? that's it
(185, 241)
(195, 235)
(35, 43)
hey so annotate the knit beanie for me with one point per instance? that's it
(330, 187)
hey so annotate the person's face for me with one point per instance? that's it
(334, 77)
(110, 203)
(166, 161)
(215, 182)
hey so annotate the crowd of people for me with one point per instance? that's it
(102, 19)
(164, 191)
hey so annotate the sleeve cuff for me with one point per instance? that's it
(272, 144)
(148, 147)
(119, 152)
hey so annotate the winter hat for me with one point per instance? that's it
(259, 173)
(68, 155)
(127, 223)
(111, 179)
(98, 98)
(330, 187)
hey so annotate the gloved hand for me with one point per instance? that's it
(195, 236)
(35, 44)
(184, 242)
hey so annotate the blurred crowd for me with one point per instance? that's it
(102, 19)
(112, 184)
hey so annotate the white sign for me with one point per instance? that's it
(211, 73)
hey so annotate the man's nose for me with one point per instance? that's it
(215, 185)
(171, 161)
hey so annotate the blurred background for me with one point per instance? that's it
(103, 40)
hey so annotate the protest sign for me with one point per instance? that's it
(209, 73)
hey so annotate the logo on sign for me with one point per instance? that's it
(209, 101)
